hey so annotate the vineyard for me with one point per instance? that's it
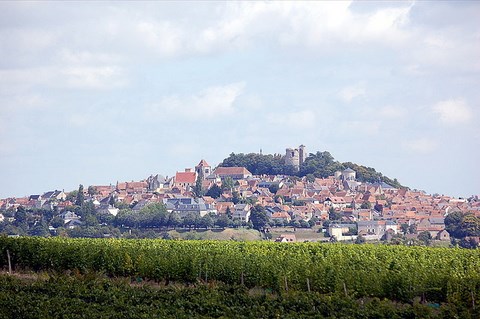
(393, 272)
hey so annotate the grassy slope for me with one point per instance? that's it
(240, 234)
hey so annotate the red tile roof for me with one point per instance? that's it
(232, 171)
(202, 163)
(185, 177)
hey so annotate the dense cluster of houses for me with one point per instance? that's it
(375, 210)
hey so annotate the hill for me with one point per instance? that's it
(319, 164)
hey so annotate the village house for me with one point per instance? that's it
(283, 217)
(236, 173)
(242, 212)
(188, 205)
(185, 179)
(286, 238)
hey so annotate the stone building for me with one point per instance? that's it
(295, 156)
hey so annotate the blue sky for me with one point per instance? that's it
(95, 92)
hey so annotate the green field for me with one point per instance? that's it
(436, 276)
(92, 296)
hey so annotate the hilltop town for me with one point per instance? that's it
(340, 206)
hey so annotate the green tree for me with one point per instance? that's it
(453, 224)
(258, 217)
(366, 205)
(273, 188)
(425, 236)
(189, 220)
(72, 196)
(412, 229)
(92, 190)
(228, 213)
(198, 188)
(222, 221)
(236, 197)
(206, 222)
(40, 229)
(227, 183)
(56, 222)
(404, 228)
(20, 216)
(80, 196)
(215, 191)
(313, 221)
(333, 214)
(174, 220)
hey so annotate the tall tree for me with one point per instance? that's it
(198, 188)
(80, 196)
(258, 217)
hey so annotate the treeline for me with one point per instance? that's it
(464, 228)
(319, 164)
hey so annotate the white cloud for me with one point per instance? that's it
(211, 102)
(453, 111)
(304, 119)
(164, 37)
(422, 145)
(86, 57)
(348, 94)
(105, 77)
(391, 112)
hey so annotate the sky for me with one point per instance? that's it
(98, 92)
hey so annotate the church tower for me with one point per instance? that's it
(203, 168)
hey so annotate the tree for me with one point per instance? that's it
(310, 178)
(92, 190)
(273, 188)
(236, 197)
(215, 191)
(258, 217)
(80, 196)
(404, 228)
(153, 215)
(360, 239)
(206, 222)
(72, 196)
(334, 215)
(453, 223)
(228, 213)
(313, 221)
(227, 183)
(425, 236)
(460, 225)
(57, 222)
(366, 205)
(20, 216)
(222, 221)
(40, 229)
(412, 229)
(198, 188)
(304, 224)
(189, 220)
(174, 220)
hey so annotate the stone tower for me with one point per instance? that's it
(302, 154)
(295, 156)
(203, 168)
